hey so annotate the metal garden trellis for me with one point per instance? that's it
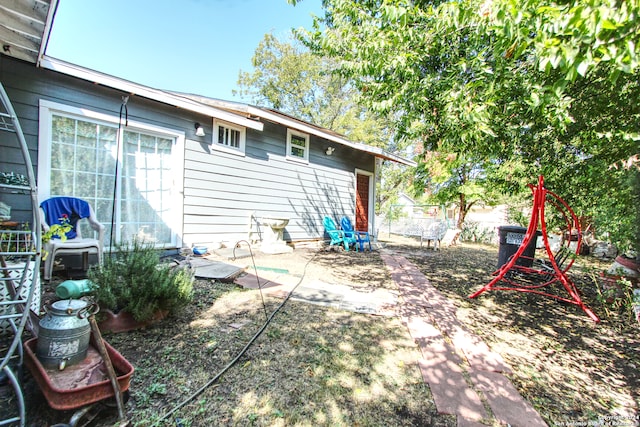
(539, 276)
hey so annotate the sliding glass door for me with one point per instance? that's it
(132, 176)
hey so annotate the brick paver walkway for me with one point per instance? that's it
(464, 375)
(466, 378)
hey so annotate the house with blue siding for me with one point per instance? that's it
(179, 169)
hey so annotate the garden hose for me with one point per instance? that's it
(240, 354)
(255, 269)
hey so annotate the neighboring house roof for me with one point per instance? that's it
(409, 200)
(25, 26)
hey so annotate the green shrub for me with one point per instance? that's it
(133, 279)
(472, 231)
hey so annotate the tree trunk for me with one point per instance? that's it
(463, 211)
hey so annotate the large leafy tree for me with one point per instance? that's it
(288, 77)
(453, 178)
(529, 88)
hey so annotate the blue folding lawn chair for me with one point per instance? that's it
(361, 237)
(336, 235)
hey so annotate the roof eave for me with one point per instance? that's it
(132, 88)
(302, 126)
(328, 135)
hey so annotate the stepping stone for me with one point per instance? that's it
(419, 327)
(407, 311)
(440, 368)
(392, 263)
(415, 299)
(431, 342)
(431, 317)
(507, 404)
(400, 276)
(209, 269)
(444, 314)
(251, 281)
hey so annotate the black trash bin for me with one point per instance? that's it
(510, 238)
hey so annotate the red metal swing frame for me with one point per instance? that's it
(510, 276)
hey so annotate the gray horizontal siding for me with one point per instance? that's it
(11, 158)
(220, 186)
(221, 190)
(26, 85)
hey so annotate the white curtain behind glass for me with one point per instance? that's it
(83, 157)
(146, 185)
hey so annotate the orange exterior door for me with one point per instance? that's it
(362, 202)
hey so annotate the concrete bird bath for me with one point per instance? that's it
(272, 235)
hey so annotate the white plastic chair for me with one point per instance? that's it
(75, 210)
(434, 232)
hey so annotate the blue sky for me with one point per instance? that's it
(195, 46)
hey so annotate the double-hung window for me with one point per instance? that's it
(297, 145)
(228, 137)
(131, 175)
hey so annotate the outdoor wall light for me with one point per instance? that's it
(329, 151)
(199, 129)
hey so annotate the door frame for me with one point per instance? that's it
(371, 204)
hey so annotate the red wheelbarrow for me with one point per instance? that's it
(81, 385)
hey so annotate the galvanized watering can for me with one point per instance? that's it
(64, 333)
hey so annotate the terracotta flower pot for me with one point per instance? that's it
(610, 284)
(124, 321)
(629, 266)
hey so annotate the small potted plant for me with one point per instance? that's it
(13, 179)
(622, 274)
(133, 288)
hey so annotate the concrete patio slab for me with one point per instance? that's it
(251, 281)
(317, 295)
(379, 302)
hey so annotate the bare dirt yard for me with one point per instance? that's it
(314, 365)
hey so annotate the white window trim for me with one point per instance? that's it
(46, 111)
(305, 159)
(240, 151)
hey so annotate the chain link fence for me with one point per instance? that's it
(426, 222)
(480, 226)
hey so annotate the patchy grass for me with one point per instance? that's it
(570, 368)
(316, 366)
(312, 365)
